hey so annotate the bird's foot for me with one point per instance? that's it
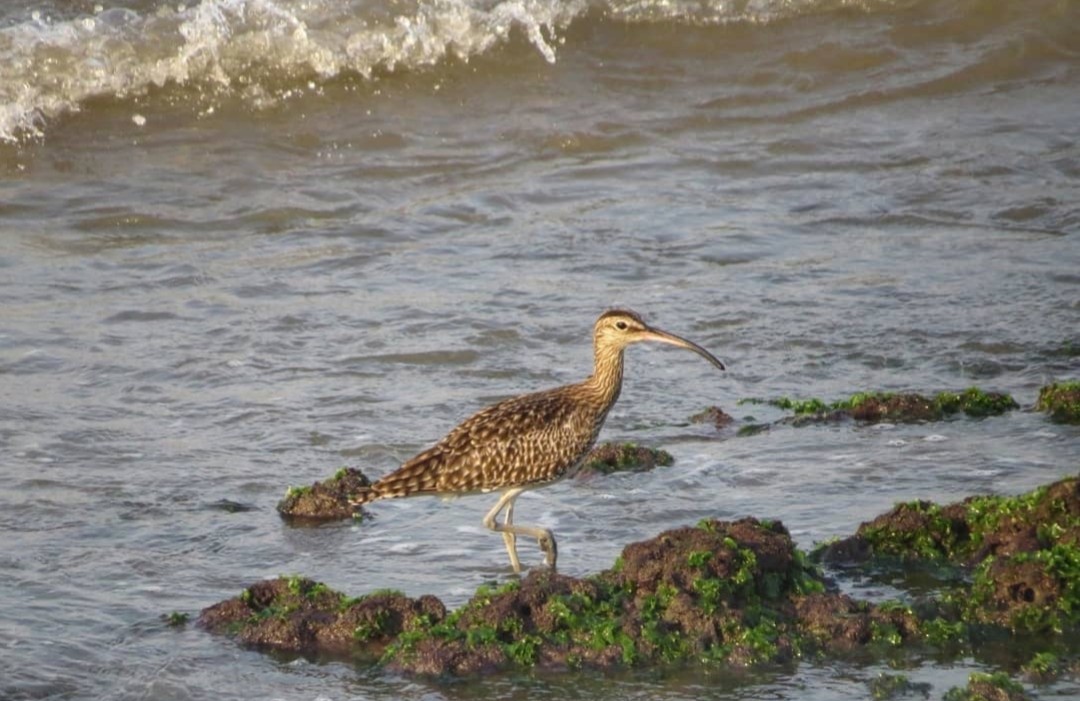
(550, 548)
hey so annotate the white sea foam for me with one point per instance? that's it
(49, 67)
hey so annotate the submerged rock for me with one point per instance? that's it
(327, 500)
(1061, 401)
(713, 415)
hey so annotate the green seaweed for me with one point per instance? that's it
(934, 539)
(294, 492)
(975, 402)
(698, 558)
(372, 628)
(1044, 666)
(176, 619)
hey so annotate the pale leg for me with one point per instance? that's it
(543, 536)
(509, 538)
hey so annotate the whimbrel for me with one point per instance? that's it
(527, 441)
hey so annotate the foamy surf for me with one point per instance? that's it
(51, 66)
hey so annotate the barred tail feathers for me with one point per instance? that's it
(363, 496)
(417, 476)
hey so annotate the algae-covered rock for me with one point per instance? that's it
(895, 407)
(325, 501)
(298, 615)
(720, 591)
(902, 408)
(733, 593)
(838, 623)
(1022, 553)
(624, 457)
(988, 687)
(1061, 401)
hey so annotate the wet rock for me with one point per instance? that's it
(325, 501)
(1022, 553)
(839, 624)
(988, 687)
(912, 530)
(713, 415)
(906, 408)
(298, 615)
(1060, 401)
(624, 457)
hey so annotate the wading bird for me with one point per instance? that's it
(527, 441)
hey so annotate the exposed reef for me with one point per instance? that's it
(733, 593)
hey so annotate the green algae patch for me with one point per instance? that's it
(176, 619)
(327, 500)
(607, 458)
(975, 402)
(1020, 553)
(1060, 401)
(896, 407)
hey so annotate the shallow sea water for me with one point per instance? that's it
(243, 244)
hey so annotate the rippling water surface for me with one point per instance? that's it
(243, 244)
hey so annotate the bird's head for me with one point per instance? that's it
(618, 328)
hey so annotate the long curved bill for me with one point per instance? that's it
(653, 334)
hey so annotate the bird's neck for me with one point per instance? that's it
(606, 379)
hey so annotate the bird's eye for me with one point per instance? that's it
(620, 325)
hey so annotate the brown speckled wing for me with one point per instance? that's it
(531, 439)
